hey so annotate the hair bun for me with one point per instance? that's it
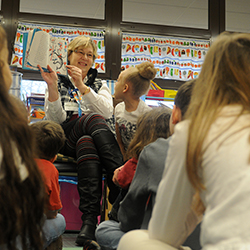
(147, 70)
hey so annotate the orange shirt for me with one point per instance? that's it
(50, 178)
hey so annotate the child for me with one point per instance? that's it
(132, 83)
(50, 138)
(21, 186)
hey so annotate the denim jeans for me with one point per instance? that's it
(108, 234)
(53, 228)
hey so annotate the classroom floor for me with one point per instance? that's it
(69, 241)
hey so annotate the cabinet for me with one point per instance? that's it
(35, 106)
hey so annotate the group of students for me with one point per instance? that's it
(166, 171)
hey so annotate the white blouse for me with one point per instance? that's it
(226, 176)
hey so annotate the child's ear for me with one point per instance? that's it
(176, 115)
(125, 88)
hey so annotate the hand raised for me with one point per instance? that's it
(49, 77)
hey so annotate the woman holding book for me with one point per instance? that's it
(83, 105)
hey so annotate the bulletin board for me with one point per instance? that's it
(66, 33)
(174, 58)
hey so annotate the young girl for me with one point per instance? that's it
(131, 85)
(213, 159)
(21, 186)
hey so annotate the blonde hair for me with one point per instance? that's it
(224, 80)
(150, 126)
(140, 78)
(82, 41)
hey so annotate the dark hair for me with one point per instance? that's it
(49, 138)
(183, 96)
(21, 185)
(150, 126)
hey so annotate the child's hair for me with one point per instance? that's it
(140, 78)
(21, 185)
(183, 96)
(49, 138)
(224, 80)
(82, 41)
(150, 126)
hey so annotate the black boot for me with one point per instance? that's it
(111, 158)
(90, 192)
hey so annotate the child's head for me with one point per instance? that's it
(150, 126)
(135, 79)
(49, 138)
(181, 103)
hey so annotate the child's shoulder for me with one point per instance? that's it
(120, 107)
(46, 166)
(143, 107)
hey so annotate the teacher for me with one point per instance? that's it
(83, 105)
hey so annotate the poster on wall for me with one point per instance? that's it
(67, 34)
(174, 58)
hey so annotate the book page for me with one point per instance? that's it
(58, 55)
(39, 49)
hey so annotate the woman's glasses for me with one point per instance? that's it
(81, 53)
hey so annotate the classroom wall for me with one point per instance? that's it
(202, 19)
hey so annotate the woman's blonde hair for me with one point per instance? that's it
(140, 78)
(82, 41)
(224, 80)
(150, 126)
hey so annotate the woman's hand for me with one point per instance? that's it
(76, 75)
(51, 79)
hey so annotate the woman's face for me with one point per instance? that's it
(82, 58)
(4, 53)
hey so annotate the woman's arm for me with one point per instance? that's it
(101, 102)
(54, 110)
(52, 105)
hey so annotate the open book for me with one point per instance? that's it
(40, 48)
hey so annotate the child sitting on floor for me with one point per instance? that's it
(50, 138)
